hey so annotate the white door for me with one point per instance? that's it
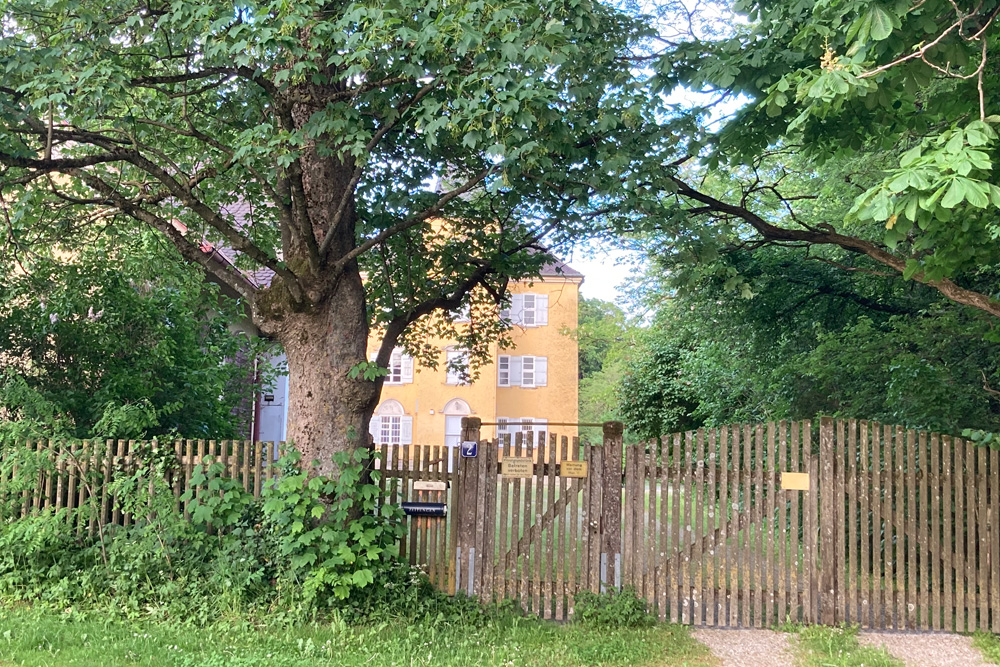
(452, 436)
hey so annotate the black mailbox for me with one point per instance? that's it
(425, 509)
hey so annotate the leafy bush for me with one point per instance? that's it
(613, 609)
(310, 544)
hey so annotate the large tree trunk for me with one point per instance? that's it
(328, 412)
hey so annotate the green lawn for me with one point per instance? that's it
(821, 646)
(37, 637)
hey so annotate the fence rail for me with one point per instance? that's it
(876, 524)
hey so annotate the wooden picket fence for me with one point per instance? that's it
(76, 475)
(738, 526)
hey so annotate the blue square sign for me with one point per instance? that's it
(470, 448)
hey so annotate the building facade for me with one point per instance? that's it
(522, 388)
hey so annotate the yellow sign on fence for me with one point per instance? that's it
(795, 481)
(573, 469)
(517, 466)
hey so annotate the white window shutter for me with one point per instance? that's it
(515, 371)
(540, 426)
(407, 362)
(406, 430)
(375, 427)
(541, 371)
(517, 309)
(541, 310)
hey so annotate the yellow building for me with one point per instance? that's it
(531, 384)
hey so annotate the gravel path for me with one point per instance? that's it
(742, 648)
(926, 650)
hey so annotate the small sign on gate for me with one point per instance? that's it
(517, 466)
(470, 449)
(577, 469)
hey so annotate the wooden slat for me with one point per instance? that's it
(784, 570)
(431, 532)
(407, 461)
(923, 539)
(712, 615)
(888, 517)
(562, 539)
(947, 535)
(594, 513)
(878, 559)
(935, 540)
(747, 569)
(867, 531)
(853, 578)
(840, 531)
(537, 551)
(698, 523)
(814, 598)
(573, 534)
(828, 522)
(649, 535)
(797, 505)
(687, 528)
(663, 551)
(898, 483)
(531, 509)
(679, 531)
(725, 564)
(910, 511)
(757, 559)
(959, 525)
(770, 530)
(982, 530)
(550, 501)
(970, 535)
(505, 569)
(628, 507)
(994, 562)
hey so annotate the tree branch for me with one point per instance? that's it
(774, 233)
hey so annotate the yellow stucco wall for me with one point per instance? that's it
(426, 397)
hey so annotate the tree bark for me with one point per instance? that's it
(328, 411)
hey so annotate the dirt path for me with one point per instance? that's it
(741, 648)
(927, 650)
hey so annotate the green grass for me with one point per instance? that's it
(37, 637)
(989, 645)
(821, 646)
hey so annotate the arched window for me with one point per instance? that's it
(390, 425)
(457, 406)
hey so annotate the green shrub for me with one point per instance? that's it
(613, 609)
(310, 544)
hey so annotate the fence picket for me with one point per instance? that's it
(981, 523)
(970, 534)
(923, 540)
(747, 570)
(725, 564)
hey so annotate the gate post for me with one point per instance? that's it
(829, 559)
(467, 560)
(611, 514)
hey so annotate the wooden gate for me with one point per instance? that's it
(740, 526)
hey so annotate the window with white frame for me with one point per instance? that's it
(528, 427)
(391, 426)
(503, 370)
(524, 371)
(527, 371)
(527, 310)
(458, 367)
(400, 367)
